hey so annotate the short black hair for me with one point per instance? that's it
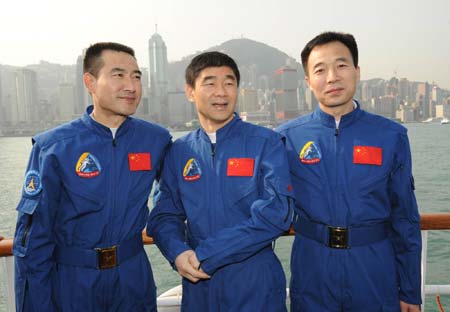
(93, 62)
(326, 37)
(209, 59)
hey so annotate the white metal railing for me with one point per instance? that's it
(429, 222)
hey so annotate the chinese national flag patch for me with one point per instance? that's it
(139, 161)
(367, 155)
(240, 167)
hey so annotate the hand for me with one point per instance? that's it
(187, 266)
(406, 307)
(196, 264)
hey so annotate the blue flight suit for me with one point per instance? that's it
(85, 190)
(358, 177)
(228, 202)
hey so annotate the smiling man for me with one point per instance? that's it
(357, 245)
(78, 241)
(224, 198)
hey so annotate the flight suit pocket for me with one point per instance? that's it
(24, 227)
(84, 213)
(243, 199)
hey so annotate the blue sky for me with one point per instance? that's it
(406, 38)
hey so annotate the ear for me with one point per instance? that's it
(189, 92)
(307, 81)
(89, 82)
(358, 74)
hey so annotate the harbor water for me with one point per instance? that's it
(430, 146)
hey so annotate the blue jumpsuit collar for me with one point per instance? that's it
(102, 129)
(222, 132)
(347, 119)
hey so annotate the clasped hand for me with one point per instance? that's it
(188, 266)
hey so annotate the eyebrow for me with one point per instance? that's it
(232, 77)
(339, 59)
(209, 78)
(118, 69)
(215, 77)
(344, 59)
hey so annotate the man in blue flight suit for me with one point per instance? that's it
(223, 200)
(358, 244)
(78, 241)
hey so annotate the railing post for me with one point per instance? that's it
(7, 269)
(424, 265)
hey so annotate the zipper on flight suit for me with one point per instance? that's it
(289, 208)
(107, 276)
(27, 230)
(211, 213)
(336, 178)
(213, 151)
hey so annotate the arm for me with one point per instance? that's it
(166, 223)
(33, 242)
(406, 224)
(270, 215)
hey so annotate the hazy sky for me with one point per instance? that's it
(408, 37)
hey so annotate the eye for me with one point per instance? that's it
(118, 75)
(319, 71)
(137, 77)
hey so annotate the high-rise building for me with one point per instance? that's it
(179, 109)
(82, 98)
(67, 102)
(248, 100)
(26, 109)
(423, 99)
(8, 97)
(158, 82)
(286, 83)
(385, 105)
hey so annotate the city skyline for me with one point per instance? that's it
(395, 38)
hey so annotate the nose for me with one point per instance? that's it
(220, 90)
(130, 84)
(332, 75)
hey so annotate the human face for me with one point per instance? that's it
(332, 77)
(215, 95)
(117, 90)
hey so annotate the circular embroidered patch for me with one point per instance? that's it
(88, 166)
(33, 183)
(192, 170)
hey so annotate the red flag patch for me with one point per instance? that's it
(139, 161)
(240, 167)
(367, 155)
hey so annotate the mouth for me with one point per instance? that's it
(334, 91)
(220, 105)
(128, 98)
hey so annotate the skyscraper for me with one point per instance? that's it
(82, 99)
(25, 110)
(286, 84)
(158, 82)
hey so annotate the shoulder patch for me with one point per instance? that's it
(88, 166)
(33, 183)
(310, 153)
(192, 170)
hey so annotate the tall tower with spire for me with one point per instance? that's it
(158, 78)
